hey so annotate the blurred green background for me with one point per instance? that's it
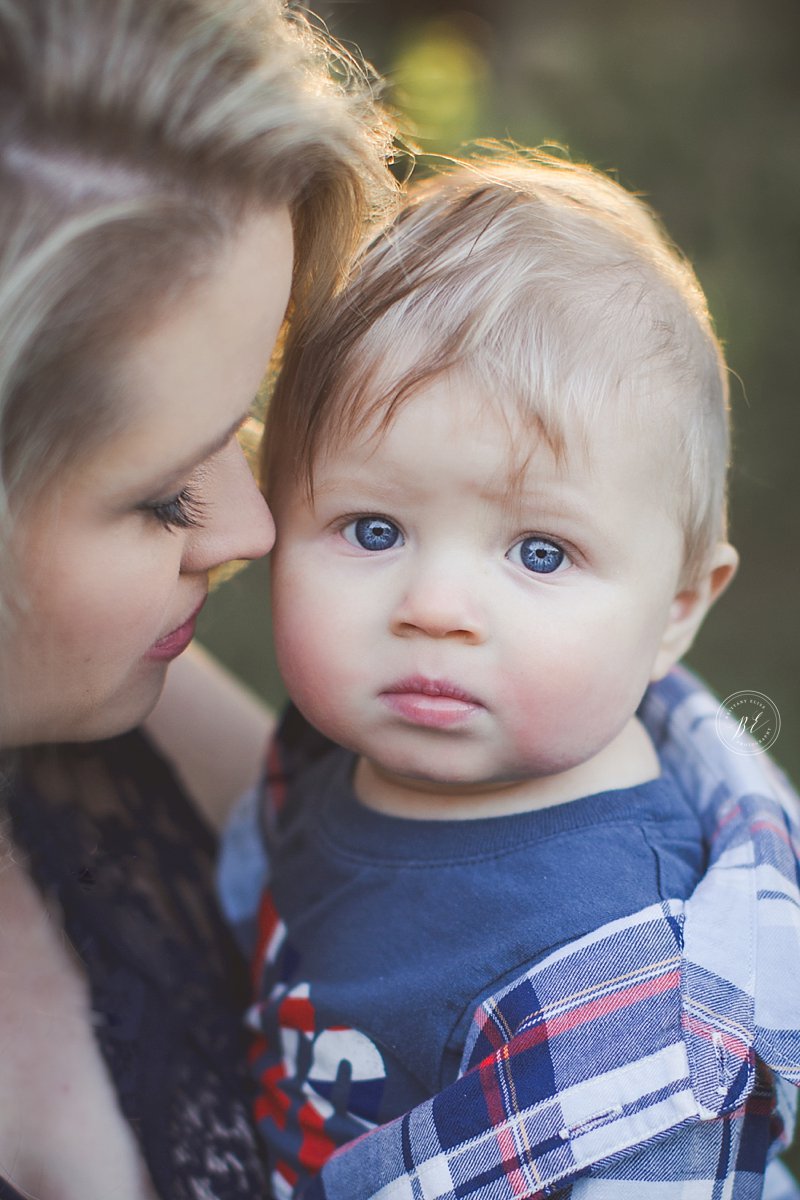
(695, 104)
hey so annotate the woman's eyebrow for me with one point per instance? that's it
(188, 465)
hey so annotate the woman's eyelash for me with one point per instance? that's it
(183, 511)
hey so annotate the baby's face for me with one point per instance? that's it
(459, 633)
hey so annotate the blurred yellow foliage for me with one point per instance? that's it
(440, 79)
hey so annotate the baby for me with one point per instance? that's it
(498, 479)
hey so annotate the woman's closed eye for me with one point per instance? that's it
(184, 510)
(539, 555)
(373, 533)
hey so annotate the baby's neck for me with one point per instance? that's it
(629, 760)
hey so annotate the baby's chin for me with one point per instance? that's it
(439, 773)
(442, 779)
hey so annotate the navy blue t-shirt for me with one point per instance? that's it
(381, 935)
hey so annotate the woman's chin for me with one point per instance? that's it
(115, 713)
(125, 710)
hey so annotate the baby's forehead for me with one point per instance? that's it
(552, 362)
(531, 441)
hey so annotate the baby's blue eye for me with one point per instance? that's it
(538, 555)
(373, 533)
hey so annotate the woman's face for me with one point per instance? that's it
(115, 561)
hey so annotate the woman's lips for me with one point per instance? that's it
(174, 643)
(433, 703)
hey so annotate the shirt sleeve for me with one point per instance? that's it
(243, 870)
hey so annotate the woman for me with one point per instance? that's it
(157, 159)
(159, 163)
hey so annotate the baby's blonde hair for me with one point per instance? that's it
(135, 136)
(552, 286)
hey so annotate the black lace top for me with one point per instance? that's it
(110, 835)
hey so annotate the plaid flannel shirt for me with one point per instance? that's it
(655, 1058)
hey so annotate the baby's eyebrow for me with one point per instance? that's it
(328, 483)
(556, 512)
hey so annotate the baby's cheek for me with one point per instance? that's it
(319, 666)
(557, 713)
(299, 637)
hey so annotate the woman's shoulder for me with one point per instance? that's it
(51, 1070)
(111, 836)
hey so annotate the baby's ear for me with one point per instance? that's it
(689, 607)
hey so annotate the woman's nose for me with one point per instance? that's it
(441, 603)
(236, 520)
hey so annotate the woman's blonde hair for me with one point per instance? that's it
(550, 287)
(134, 136)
